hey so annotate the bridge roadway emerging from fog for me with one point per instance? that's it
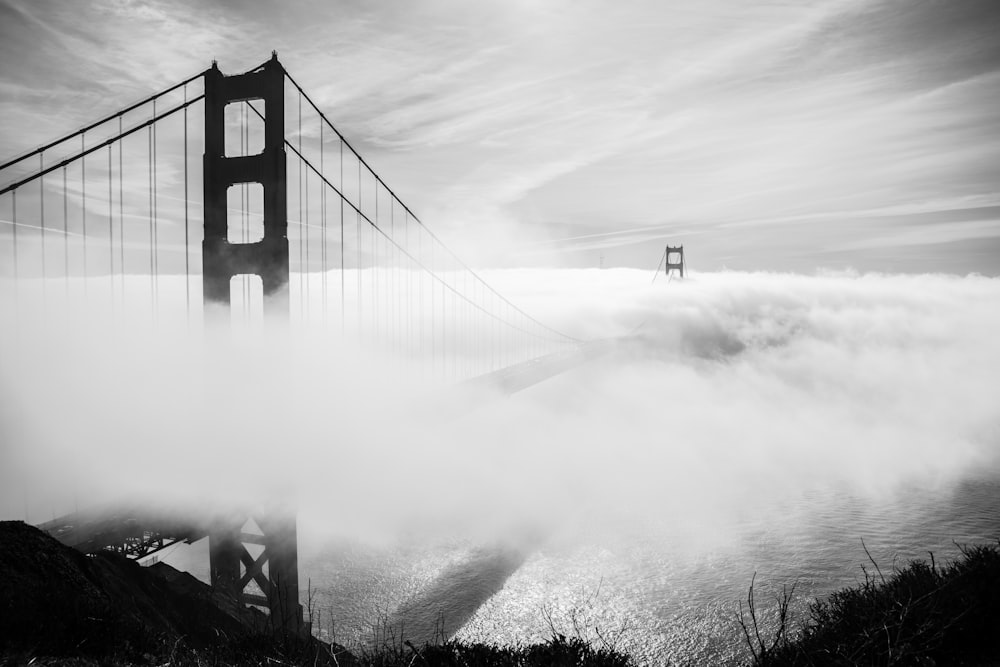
(269, 207)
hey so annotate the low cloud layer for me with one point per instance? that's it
(720, 396)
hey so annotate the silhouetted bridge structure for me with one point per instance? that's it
(280, 218)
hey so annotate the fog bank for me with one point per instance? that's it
(722, 395)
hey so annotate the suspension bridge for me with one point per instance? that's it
(235, 199)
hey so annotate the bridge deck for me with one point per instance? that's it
(135, 533)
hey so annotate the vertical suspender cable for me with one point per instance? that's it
(121, 208)
(439, 271)
(466, 325)
(41, 205)
(65, 233)
(373, 274)
(83, 207)
(301, 253)
(245, 209)
(13, 229)
(433, 317)
(444, 327)
(400, 277)
(477, 329)
(111, 236)
(17, 285)
(456, 314)
(149, 194)
(463, 342)
(502, 336)
(444, 321)
(387, 276)
(246, 214)
(304, 223)
(420, 313)
(187, 239)
(305, 226)
(408, 299)
(393, 250)
(322, 170)
(397, 272)
(445, 333)
(343, 293)
(156, 224)
(357, 222)
(454, 323)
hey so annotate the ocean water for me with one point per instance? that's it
(643, 586)
(786, 431)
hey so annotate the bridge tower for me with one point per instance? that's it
(674, 261)
(274, 569)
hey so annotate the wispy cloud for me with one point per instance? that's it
(515, 121)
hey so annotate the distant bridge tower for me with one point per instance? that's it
(274, 569)
(675, 260)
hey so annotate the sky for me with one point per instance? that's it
(779, 135)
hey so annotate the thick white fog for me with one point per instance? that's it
(719, 396)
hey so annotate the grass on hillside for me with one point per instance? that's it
(560, 651)
(922, 614)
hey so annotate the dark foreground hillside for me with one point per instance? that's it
(925, 614)
(58, 606)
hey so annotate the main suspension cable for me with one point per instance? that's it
(85, 152)
(361, 161)
(88, 128)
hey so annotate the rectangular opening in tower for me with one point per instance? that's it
(245, 128)
(245, 213)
